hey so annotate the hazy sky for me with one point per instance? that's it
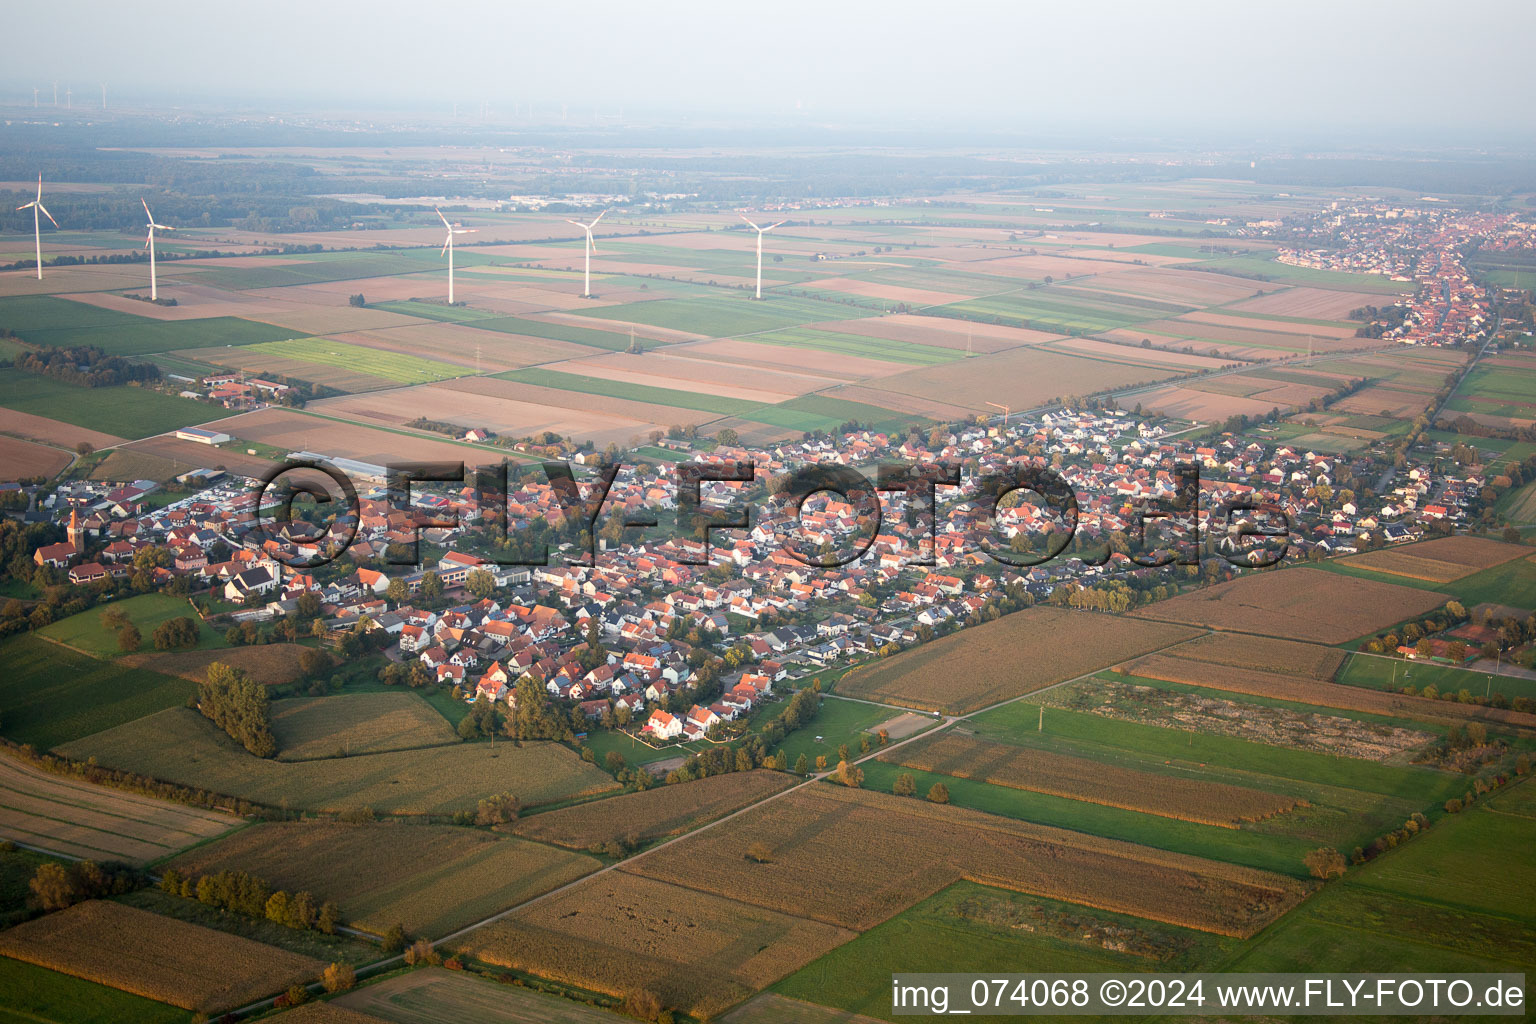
(1235, 65)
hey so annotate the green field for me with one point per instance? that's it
(51, 695)
(806, 413)
(839, 721)
(1380, 673)
(356, 723)
(125, 411)
(884, 349)
(1266, 269)
(1058, 310)
(319, 268)
(36, 995)
(181, 746)
(48, 320)
(1513, 583)
(972, 928)
(395, 366)
(719, 317)
(86, 631)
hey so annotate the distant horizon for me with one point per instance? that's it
(1321, 71)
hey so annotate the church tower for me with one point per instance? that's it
(76, 531)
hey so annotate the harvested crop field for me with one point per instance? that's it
(1076, 778)
(476, 403)
(1010, 656)
(51, 431)
(1322, 694)
(430, 878)
(76, 818)
(1439, 561)
(198, 456)
(654, 813)
(439, 996)
(1315, 303)
(1296, 604)
(1201, 406)
(941, 332)
(158, 957)
(179, 745)
(270, 664)
(298, 431)
(815, 836)
(356, 723)
(20, 459)
(1266, 654)
(621, 933)
(330, 1012)
(1193, 713)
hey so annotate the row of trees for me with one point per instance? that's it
(242, 893)
(85, 366)
(238, 705)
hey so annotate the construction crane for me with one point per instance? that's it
(1005, 412)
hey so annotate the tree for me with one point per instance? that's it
(497, 810)
(759, 853)
(1325, 863)
(397, 591)
(802, 765)
(614, 762)
(480, 583)
(394, 940)
(176, 634)
(849, 775)
(938, 793)
(338, 977)
(53, 887)
(906, 785)
(431, 586)
(329, 918)
(129, 638)
(238, 705)
(314, 662)
(727, 436)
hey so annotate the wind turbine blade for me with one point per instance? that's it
(576, 222)
(446, 243)
(27, 207)
(442, 218)
(146, 210)
(149, 239)
(770, 227)
(744, 217)
(599, 217)
(39, 187)
(40, 206)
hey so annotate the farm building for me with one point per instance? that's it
(201, 436)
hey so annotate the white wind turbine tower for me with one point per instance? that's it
(586, 290)
(149, 243)
(760, 233)
(448, 248)
(37, 206)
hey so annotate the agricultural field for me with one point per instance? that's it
(303, 357)
(1283, 603)
(51, 694)
(1010, 656)
(36, 995)
(1076, 778)
(26, 459)
(970, 928)
(432, 879)
(181, 746)
(809, 835)
(73, 817)
(307, 728)
(156, 957)
(1512, 583)
(653, 814)
(271, 664)
(123, 411)
(1267, 654)
(1381, 673)
(620, 933)
(437, 996)
(88, 633)
(1444, 560)
(48, 320)
(1321, 694)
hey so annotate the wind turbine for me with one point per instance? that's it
(760, 233)
(448, 248)
(149, 243)
(36, 205)
(586, 291)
